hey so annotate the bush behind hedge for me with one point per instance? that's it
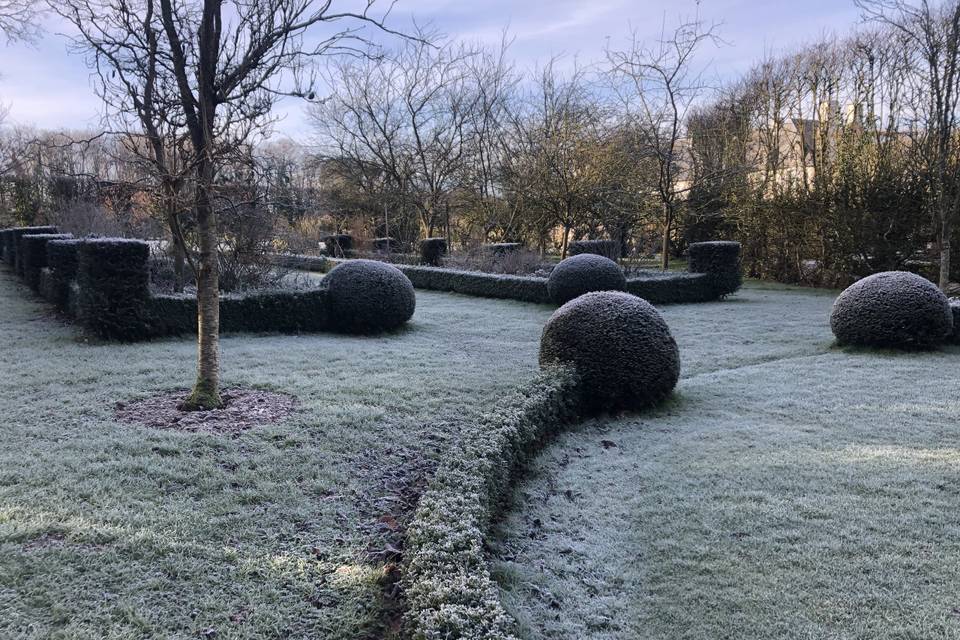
(606, 248)
(448, 587)
(432, 251)
(582, 274)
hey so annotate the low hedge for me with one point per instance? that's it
(674, 287)
(476, 283)
(114, 288)
(447, 582)
(721, 260)
(260, 312)
(33, 248)
(606, 248)
(387, 245)
(62, 265)
(11, 252)
(320, 264)
(502, 248)
(955, 309)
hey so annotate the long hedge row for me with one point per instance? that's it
(447, 583)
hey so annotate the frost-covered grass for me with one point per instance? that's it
(790, 490)
(111, 531)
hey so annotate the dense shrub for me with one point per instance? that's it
(386, 245)
(502, 248)
(720, 259)
(367, 296)
(62, 264)
(606, 248)
(34, 255)
(892, 309)
(338, 245)
(320, 264)
(259, 312)
(672, 287)
(955, 310)
(114, 288)
(448, 587)
(12, 246)
(582, 274)
(620, 346)
(432, 251)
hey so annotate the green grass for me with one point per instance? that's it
(789, 490)
(115, 531)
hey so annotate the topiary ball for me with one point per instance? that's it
(366, 296)
(620, 346)
(892, 309)
(582, 274)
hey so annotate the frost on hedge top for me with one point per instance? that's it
(620, 346)
(719, 258)
(892, 309)
(582, 274)
(366, 296)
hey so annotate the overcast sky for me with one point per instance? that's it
(47, 86)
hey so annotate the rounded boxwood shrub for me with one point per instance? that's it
(432, 251)
(582, 274)
(720, 259)
(606, 248)
(892, 309)
(366, 296)
(619, 345)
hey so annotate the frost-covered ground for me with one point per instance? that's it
(111, 531)
(790, 490)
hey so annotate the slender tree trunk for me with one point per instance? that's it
(945, 230)
(566, 240)
(665, 244)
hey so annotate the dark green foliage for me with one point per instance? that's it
(671, 287)
(320, 264)
(114, 288)
(503, 248)
(476, 283)
(720, 259)
(4, 233)
(260, 312)
(366, 296)
(606, 248)
(582, 274)
(955, 310)
(338, 245)
(448, 587)
(62, 264)
(386, 245)
(892, 309)
(432, 251)
(34, 255)
(12, 247)
(619, 345)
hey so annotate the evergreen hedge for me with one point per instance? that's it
(33, 249)
(62, 267)
(955, 310)
(114, 288)
(721, 260)
(386, 245)
(432, 251)
(12, 245)
(606, 248)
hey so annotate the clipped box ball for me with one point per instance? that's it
(892, 309)
(620, 346)
(366, 296)
(582, 274)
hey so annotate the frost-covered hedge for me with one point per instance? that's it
(620, 346)
(582, 274)
(955, 310)
(11, 249)
(448, 587)
(476, 283)
(892, 309)
(606, 248)
(721, 260)
(33, 248)
(114, 288)
(62, 267)
(366, 296)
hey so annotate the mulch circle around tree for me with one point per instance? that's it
(243, 409)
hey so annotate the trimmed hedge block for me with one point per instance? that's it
(955, 310)
(338, 245)
(62, 264)
(386, 245)
(606, 248)
(432, 251)
(114, 288)
(582, 274)
(366, 296)
(476, 283)
(11, 252)
(620, 346)
(503, 248)
(34, 255)
(720, 259)
(892, 309)
(671, 287)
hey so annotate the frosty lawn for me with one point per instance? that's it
(790, 490)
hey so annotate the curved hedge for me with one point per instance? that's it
(432, 251)
(720, 259)
(606, 248)
(892, 309)
(620, 346)
(114, 288)
(447, 583)
(582, 274)
(366, 296)
(33, 248)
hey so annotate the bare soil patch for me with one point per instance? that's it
(243, 409)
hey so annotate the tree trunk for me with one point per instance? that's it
(945, 231)
(665, 245)
(566, 239)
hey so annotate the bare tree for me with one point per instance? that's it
(658, 86)
(18, 19)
